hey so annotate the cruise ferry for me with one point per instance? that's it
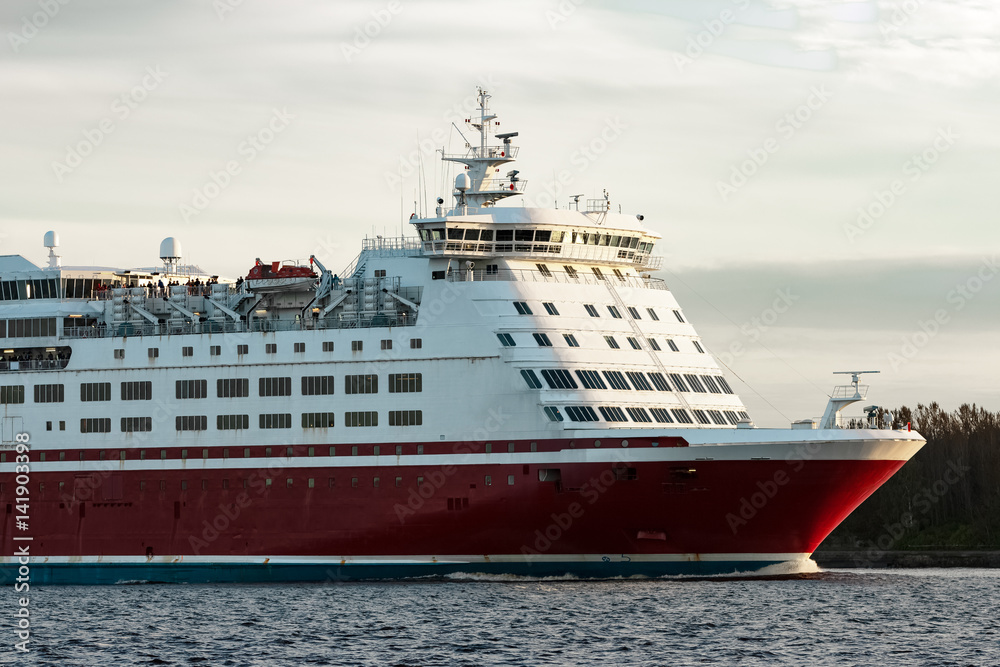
(509, 391)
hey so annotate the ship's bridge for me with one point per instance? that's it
(539, 234)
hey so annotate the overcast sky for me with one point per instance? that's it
(838, 157)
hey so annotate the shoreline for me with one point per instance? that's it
(875, 558)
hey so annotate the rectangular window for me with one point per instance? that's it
(191, 388)
(591, 380)
(510, 480)
(682, 416)
(279, 420)
(701, 416)
(232, 422)
(357, 345)
(187, 351)
(717, 417)
(614, 312)
(725, 385)
(299, 347)
(386, 344)
(137, 425)
(712, 386)
(550, 308)
(659, 381)
(317, 385)
(95, 391)
(558, 378)
(639, 381)
(570, 271)
(553, 413)
(380, 273)
(242, 349)
(353, 419)
(613, 414)
(638, 415)
(361, 384)
(544, 270)
(270, 348)
(275, 386)
(119, 353)
(522, 308)
(695, 384)
(634, 343)
(215, 350)
(679, 384)
(96, 425)
(616, 380)
(680, 318)
(50, 393)
(597, 272)
(662, 415)
(317, 420)
(571, 340)
(506, 340)
(634, 312)
(416, 343)
(542, 339)
(532, 379)
(328, 346)
(406, 417)
(698, 347)
(653, 344)
(191, 423)
(672, 345)
(137, 391)
(652, 315)
(612, 343)
(153, 352)
(232, 387)
(591, 310)
(404, 383)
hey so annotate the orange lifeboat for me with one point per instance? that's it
(279, 277)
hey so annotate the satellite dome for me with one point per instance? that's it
(170, 248)
(463, 182)
(51, 240)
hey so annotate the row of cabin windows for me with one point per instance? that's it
(315, 385)
(642, 415)
(28, 327)
(523, 308)
(558, 378)
(269, 348)
(534, 236)
(238, 422)
(543, 340)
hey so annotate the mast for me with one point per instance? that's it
(485, 186)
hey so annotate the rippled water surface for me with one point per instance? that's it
(836, 617)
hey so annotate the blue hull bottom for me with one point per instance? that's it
(203, 573)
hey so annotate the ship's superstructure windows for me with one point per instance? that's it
(12, 393)
(591, 310)
(672, 345)
(553, 414)
(634, 312)
(544, 270)
(597, 272)
(232, 422)
(505, 235)
(28, 327)
(153, 352)
(618, 274)
(682, 416)
(698, 347)
(270, 348)
(712, 386)
(570, 271)
(558, 378)
(653, 344)
(366, 418)
(187, 351)
(678, 381)
(550, 308)
(591, 380)
(275, 386)
(639, 381)
(95, 391)
(532, 379)
(50, 393)
(317, 420)
(701, 416)
(317, 385)
(416, 343)
(357, 345)
(732, 417)
(242, 349)
(387, 344)
(659, 381)
(492, 269)
(652, 315)
(191, 389)
(522, 308)
(724, 384)
(612, 414)
(119, 353)
(695, 384)
(455, 234)
(32, 288)
(638, 415)
(361, 384)
(717, 417)
(380, 273)
(542, 339)
(506, 339)
(680, 318)
(662, 415)
(406, 417)
(616, 380)
(401, 383)
(215, 350)
(278, 420)
(614, 312)
(634, 343)
(190, 423)
(299, 347)
(571, 340)
(328, 346)
(232, 387)
(95, 425)
(612, 343)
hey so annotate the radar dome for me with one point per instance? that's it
(463, 182)
(51, 240)
(170, 248)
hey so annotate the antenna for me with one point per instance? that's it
(855, 375)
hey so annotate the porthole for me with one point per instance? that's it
(597, 443)
(624, 443)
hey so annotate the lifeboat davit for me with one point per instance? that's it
(278, 277)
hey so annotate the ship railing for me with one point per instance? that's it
(531, 275)
(499, 152)
(133, 329)
(566, 251)
(860, 422)
(33, 364)
(403, 245)
(850, 391)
